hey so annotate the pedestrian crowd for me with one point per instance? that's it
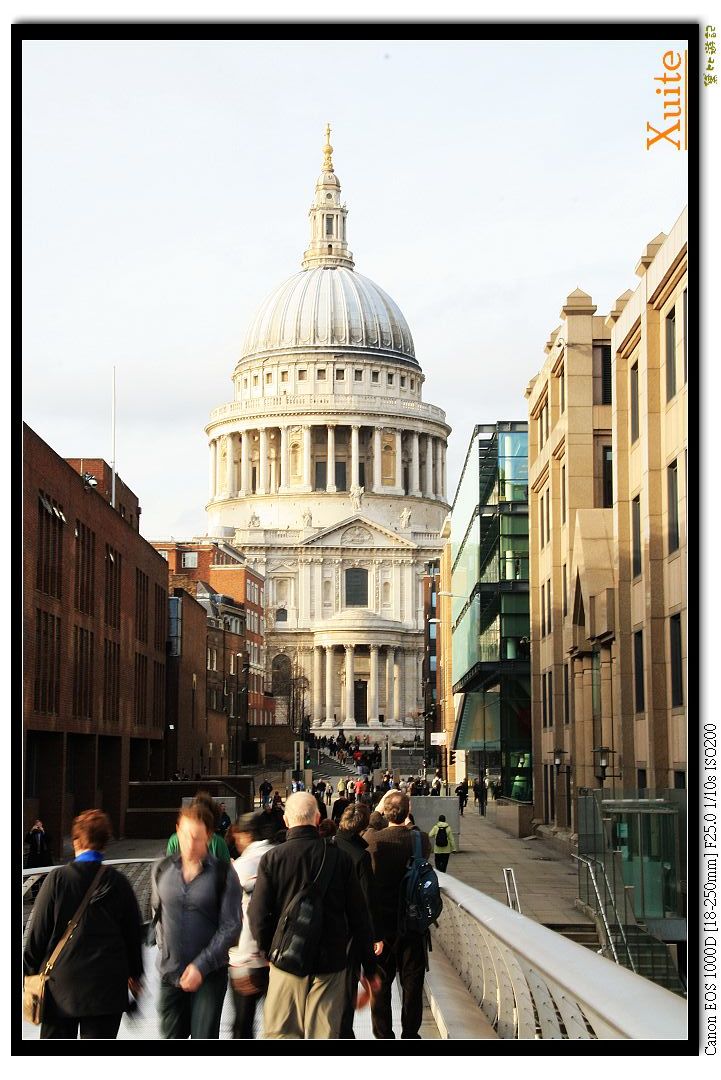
(303, 911)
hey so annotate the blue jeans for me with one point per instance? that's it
(196, 1016)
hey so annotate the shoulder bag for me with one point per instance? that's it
(300, 928)
(34, 985)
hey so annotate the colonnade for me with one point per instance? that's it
(324, 708)
(276, 459)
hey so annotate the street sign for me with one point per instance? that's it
(438, 738)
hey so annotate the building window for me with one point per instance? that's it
(328, 224)
(544, 705)
(320, 374)
(375, 376)
(562, 389)
(269, 376)
(565, 590)
(543, 610)
(356, 587)
(47, 663)
(566, 696)
(141, 605)
(113, 569)
(548, 515)
(111, 682)
(158, 717)
(607, 452)
(49, 569)
(281, 615)
(302, 375)
(403, 381)
(672, 487)
(563, 494)
(340, 374)
(634, 403)
(284, 376)
(390, 378)
(676, 661)
(639, 699)
(549, 621)
(161, 618)
(636, 535)
(606, 384)
(641, 779)
(255, 380)
(358, 374)
(670, 354)
(189, 559)
(679, 779)
(82, 673)
(84, 568)
(549, 693)
(141, 689)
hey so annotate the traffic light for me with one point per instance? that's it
(298, 755)
(306, 758)
(453, 757)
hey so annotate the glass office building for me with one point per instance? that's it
(490, 608)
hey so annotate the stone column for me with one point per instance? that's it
(329, 686)
(349, 687)
(428, 482)
(439, 469)
(377, 483)
(373, 688)
(330, 467)
(443, 470)
(399, 461)
(284, 458)
(229, 466)
(219, 478)
(245, 463)
(307, 484)
(415, 466)
(318, 684)
(212, 446)
(390, 691)
(354, 455)
(397, 711)
(262, 461)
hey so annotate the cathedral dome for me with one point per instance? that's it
(330, 307)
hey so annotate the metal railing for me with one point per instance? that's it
(532, 983)
(602, 907)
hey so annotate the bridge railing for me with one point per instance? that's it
(532, 983)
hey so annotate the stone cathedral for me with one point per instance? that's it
(328, 470)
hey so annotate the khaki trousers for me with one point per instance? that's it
(309, 1007)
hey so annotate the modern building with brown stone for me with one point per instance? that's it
(94, 648)
(608, 565)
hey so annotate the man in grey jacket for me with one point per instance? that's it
(196, 902)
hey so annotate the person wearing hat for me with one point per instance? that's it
(248, 968)
(443, 843)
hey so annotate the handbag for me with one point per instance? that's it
(300, 928)
(34, 985)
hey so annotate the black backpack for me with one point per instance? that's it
(420, 894)
(442, 836)
(300, 928)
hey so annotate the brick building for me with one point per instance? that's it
(94, 647)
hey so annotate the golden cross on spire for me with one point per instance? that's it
(327, 151)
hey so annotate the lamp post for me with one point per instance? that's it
(602, 762)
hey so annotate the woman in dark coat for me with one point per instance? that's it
(88, 988)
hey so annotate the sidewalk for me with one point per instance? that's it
(546, 880)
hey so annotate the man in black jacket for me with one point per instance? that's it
(390, 851)
(88, 988)
(310, 1006)
(348, 838)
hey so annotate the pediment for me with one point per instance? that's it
(358, 532)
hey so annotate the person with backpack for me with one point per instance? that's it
(306, 907)
(444, 845)
(404, 947)
(196, 904)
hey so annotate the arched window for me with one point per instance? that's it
(386, 592)
(326, 592)
(281, 615)
(356, 587)
(281, 675)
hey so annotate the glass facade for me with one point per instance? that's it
(490, 606)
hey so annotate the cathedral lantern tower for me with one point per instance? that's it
(328, 470)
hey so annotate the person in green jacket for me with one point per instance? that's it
(216, 845)
(443, 843)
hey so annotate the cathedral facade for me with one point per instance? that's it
(329, 471)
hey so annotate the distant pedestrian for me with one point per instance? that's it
(462, 793)
(37, 852)
(223, 821)
(441, 836)
(87, 991)
(265, 791)
(329, 794)
(248, 969)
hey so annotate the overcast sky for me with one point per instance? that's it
(166, 187)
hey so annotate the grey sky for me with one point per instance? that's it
(166, 189)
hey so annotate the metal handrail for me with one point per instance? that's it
(509, 880)
(586, 860)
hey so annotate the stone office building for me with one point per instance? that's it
(327, 469)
